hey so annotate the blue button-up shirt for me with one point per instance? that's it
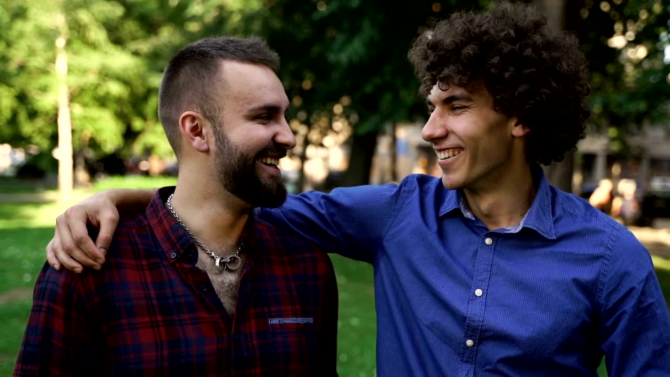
(547, 298)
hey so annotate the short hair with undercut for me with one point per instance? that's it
(532, 72)
(192, 79)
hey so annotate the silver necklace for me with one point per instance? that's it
(231, 263)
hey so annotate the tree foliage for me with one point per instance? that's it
(627, 45)
(116, 51)
(342, 61)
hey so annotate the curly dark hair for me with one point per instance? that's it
(532, 72)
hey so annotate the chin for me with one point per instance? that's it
(451, 183)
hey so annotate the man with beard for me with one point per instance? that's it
(196, 286)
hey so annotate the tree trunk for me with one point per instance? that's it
(560, 174)
(360, 160)
(65, 169)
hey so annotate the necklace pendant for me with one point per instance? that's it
(233, 263)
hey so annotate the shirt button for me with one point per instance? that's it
(469, 343)
(489, 241)
(173, 255)
(203, 287)
(479, 292)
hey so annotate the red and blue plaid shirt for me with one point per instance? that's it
(151, 312)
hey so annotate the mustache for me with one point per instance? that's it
(273, 150)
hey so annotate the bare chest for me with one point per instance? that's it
(226, 282)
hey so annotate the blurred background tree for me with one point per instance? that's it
(626, 43)
(116, 53)
(343, 64)
(346, 61)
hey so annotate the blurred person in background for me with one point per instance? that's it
(601, 198)
(625, 205)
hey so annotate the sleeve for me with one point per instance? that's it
(57, 338)
(349, 221)
(635, 321)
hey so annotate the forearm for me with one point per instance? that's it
(127, 200)
(349, 221)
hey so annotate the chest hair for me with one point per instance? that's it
(226, 283)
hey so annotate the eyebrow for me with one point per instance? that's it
(264, 108)
(451, 99)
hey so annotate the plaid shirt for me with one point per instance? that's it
(151, 312)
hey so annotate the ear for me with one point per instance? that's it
(192, 128)
(518, 129)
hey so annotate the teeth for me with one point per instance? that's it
(270, 161)
(448, 153)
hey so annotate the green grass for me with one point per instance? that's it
(134, 181)
(25, 230)
(357, 324)
(9, 185)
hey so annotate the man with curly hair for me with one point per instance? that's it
(489, 270)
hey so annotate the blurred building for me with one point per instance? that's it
(648, 157)
(411, 155)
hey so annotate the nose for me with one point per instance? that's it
(436, 127)
(284, 135)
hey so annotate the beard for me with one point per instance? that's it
(236, 170)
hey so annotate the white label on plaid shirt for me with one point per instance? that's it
(281, 321)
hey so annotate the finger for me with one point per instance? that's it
(83, 244)
(51, 256)
(108, 223)
(69, 248)
(65, 259)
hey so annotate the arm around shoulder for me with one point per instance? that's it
(350, 221)
(71, 244)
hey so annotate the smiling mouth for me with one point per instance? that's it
(269, 161)
(448, 153)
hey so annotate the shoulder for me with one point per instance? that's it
(59, 287)
(628, 260)
(421, 182)
(410, 184)
(574, 216)
(424, 185)
(599, 232)
(134, 223)
(281, 240)
(583, 229)
(284, 244)
(573, 206)
(132, 234)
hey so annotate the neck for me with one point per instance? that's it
(214, 216)
(504, 200)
